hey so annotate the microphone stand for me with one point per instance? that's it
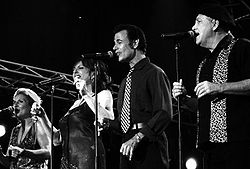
(51, 119)
(96, 118)
(177, 45)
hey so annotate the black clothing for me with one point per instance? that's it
(29, 142)
(227, 155)
(77, 129)
(237, 107)
(151, 104)
(235, 152)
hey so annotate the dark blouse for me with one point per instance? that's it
(77, 129)
(29, 142)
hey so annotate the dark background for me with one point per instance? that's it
(51, 34)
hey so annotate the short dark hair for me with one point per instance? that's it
(134, 33)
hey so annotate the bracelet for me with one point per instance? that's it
(138, 138)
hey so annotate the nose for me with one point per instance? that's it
(75, 72)
(15, 104)
(194, 27)
(114, 48)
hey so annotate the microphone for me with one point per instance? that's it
(179, 35)
(7, 109)
(59, 79)
(98, 56)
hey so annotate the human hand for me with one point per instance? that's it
(99, 127)
(205, 88)
(104, 123)
(128, 147)
(15, 151)
(37, 112)
(36, 109)
(178, 89)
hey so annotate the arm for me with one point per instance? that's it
(105, 100)
(44, 141)
(158, 92)
(161, 101)
(44, 123)
(180, 91)
(237, 88)
(105, 107)
(240, 61)
(234, 88)
(39, 154)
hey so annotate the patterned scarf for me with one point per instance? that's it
(218, 124)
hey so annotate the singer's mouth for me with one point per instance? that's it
(118, 53)
(77, 78)
(16, 111)
(196, 34)
(77, 75)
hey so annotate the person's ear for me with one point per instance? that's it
(134, 44)
(216, 24)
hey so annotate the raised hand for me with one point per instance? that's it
(178, 89)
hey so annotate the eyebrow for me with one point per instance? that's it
(199, 17)
(19, 100)
(77, 67)
(118, 40)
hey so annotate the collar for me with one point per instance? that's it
(141, 63)
(223, 43)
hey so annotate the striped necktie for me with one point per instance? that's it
(125, 113)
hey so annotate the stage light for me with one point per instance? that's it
(191, 163)
(2, 130)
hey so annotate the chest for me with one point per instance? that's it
(24, 137)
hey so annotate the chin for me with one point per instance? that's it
(121, 59)
(198, 42)
(20, 117)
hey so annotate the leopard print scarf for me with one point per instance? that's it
(218, 124)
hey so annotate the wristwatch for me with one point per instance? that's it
(138, 138)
